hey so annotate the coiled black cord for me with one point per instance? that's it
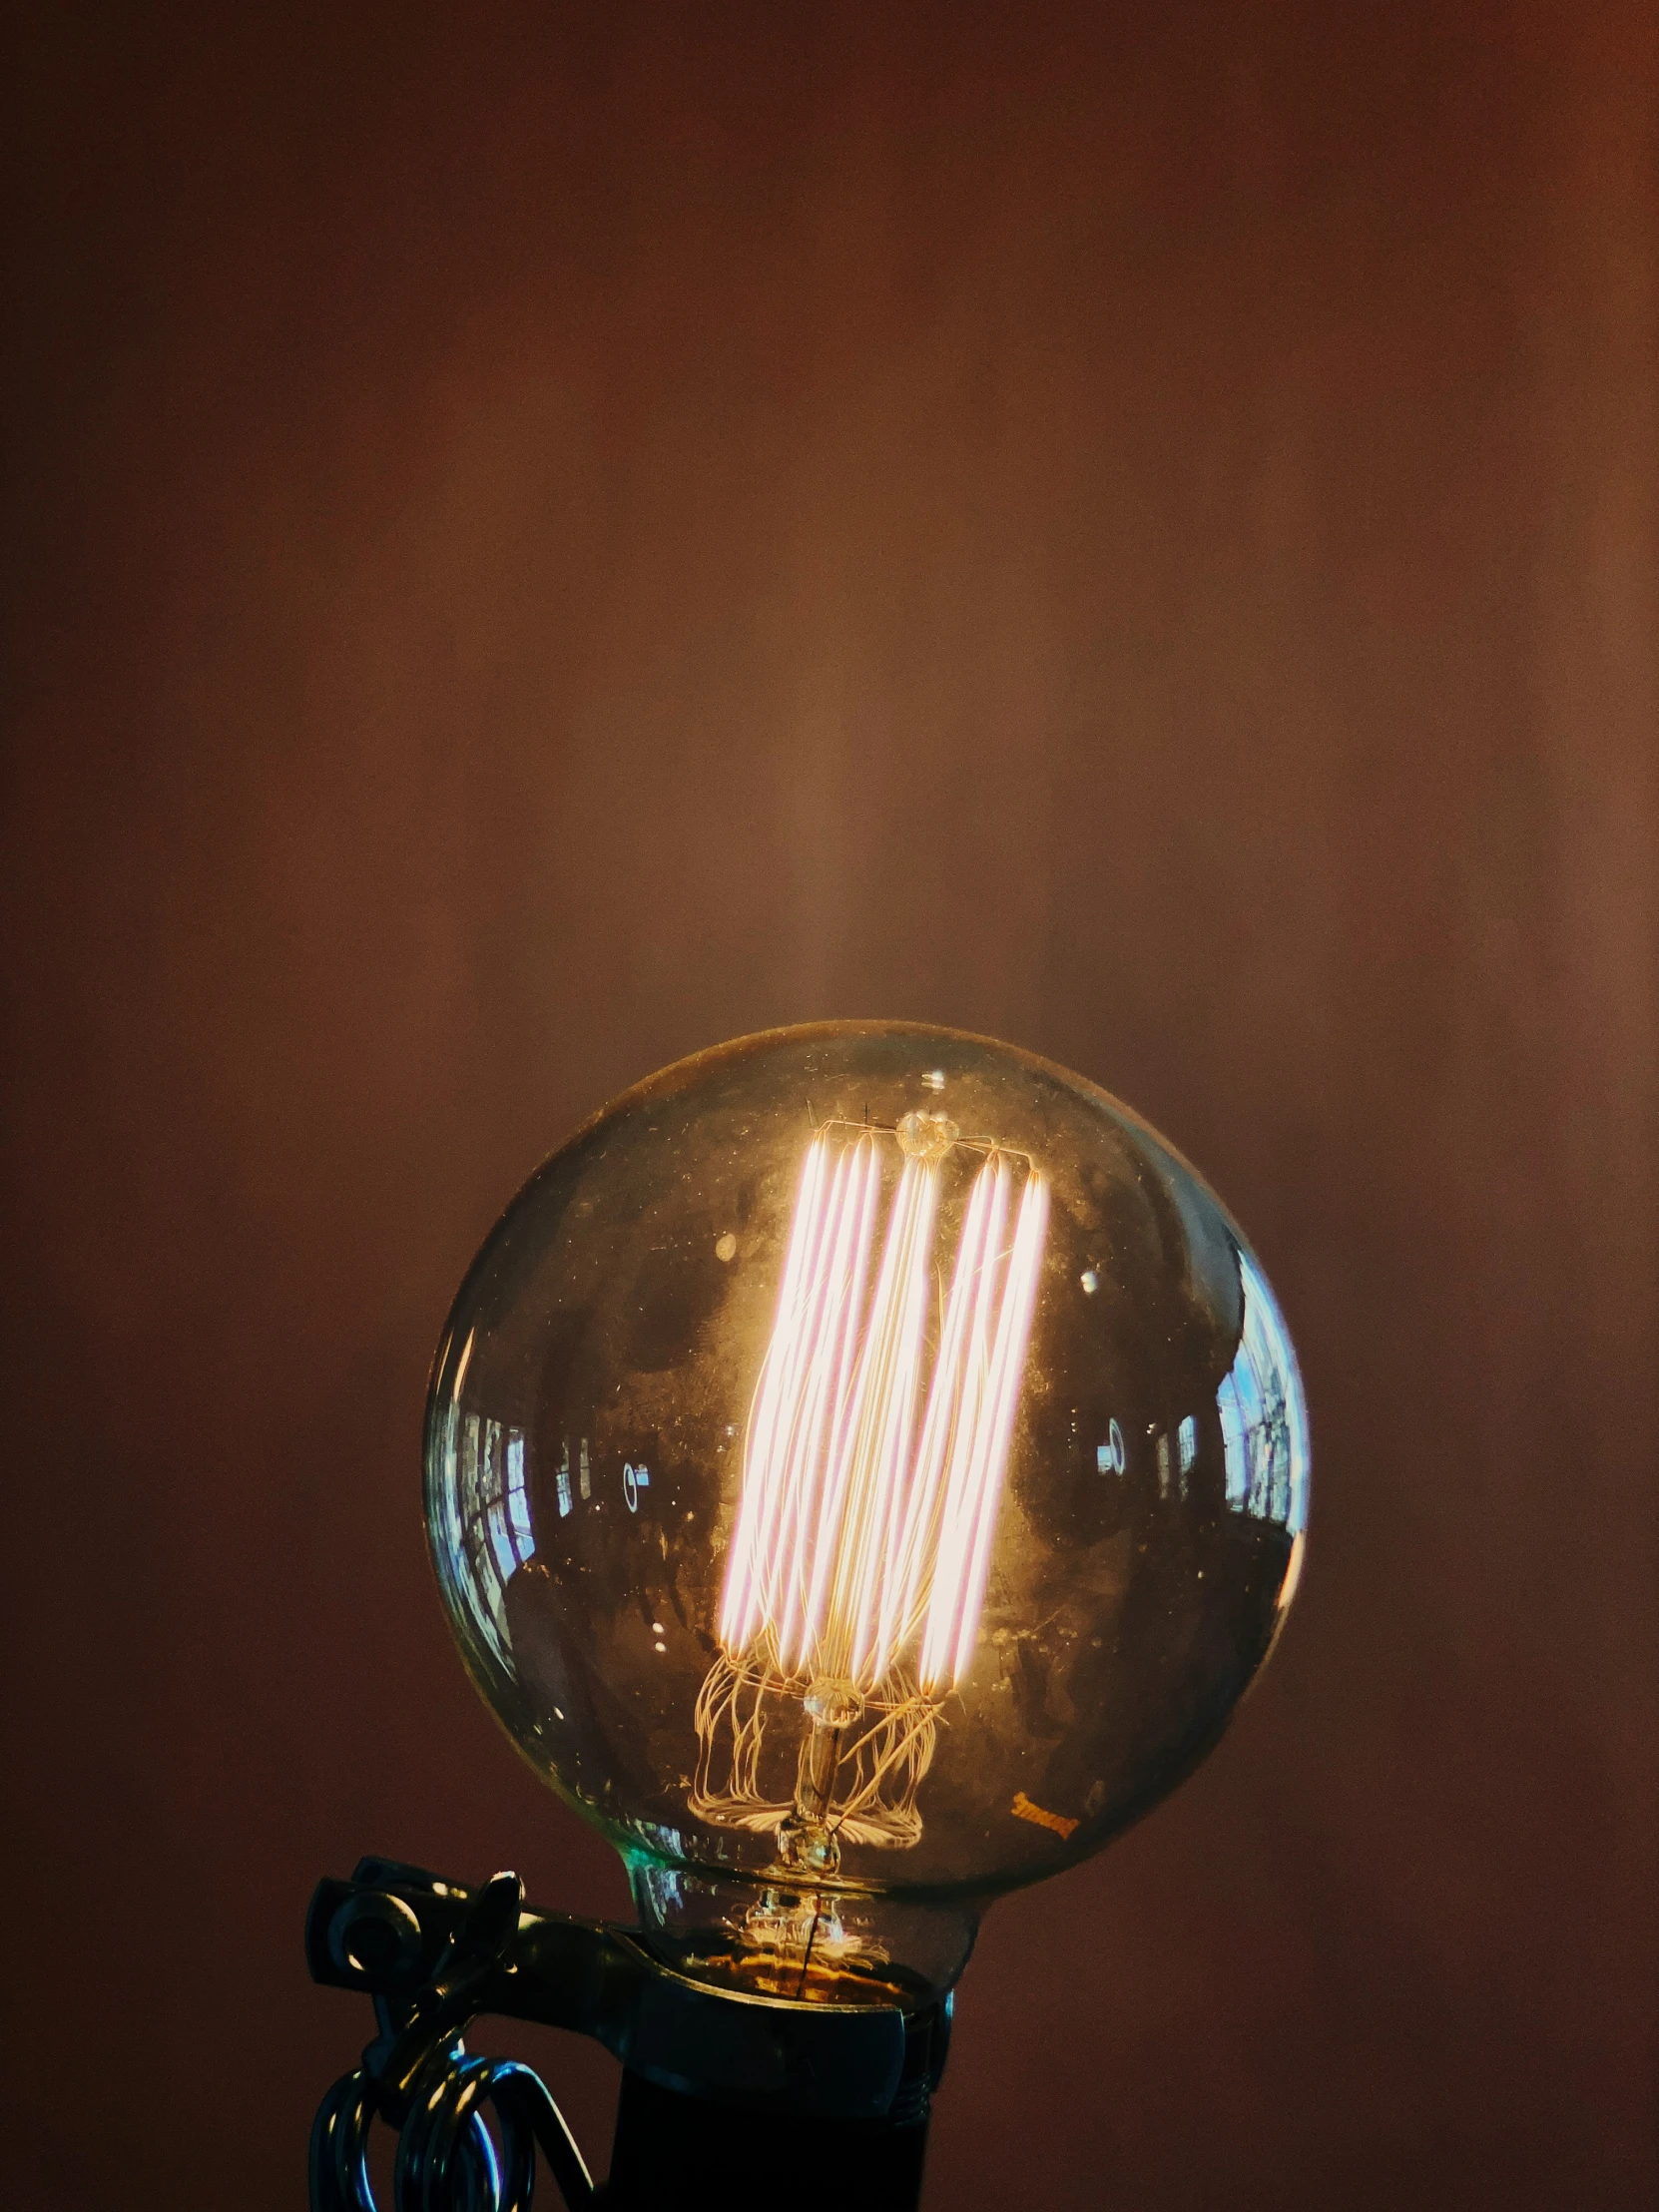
(447, 2157)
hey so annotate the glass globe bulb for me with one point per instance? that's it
(865, 1468)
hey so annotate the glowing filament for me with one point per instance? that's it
(869, 1491)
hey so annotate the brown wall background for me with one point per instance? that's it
(541, 537)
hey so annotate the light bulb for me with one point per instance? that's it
(865, 1468)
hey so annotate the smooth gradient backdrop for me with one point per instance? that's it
(539, 537)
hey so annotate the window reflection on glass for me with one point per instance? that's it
(1263, 1424)
(518, 1504)
(487, 1522)
(1188, 1440)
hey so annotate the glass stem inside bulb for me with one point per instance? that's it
(807, 1842)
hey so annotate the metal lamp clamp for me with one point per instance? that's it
(712, 2078)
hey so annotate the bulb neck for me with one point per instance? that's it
(793, 1932)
